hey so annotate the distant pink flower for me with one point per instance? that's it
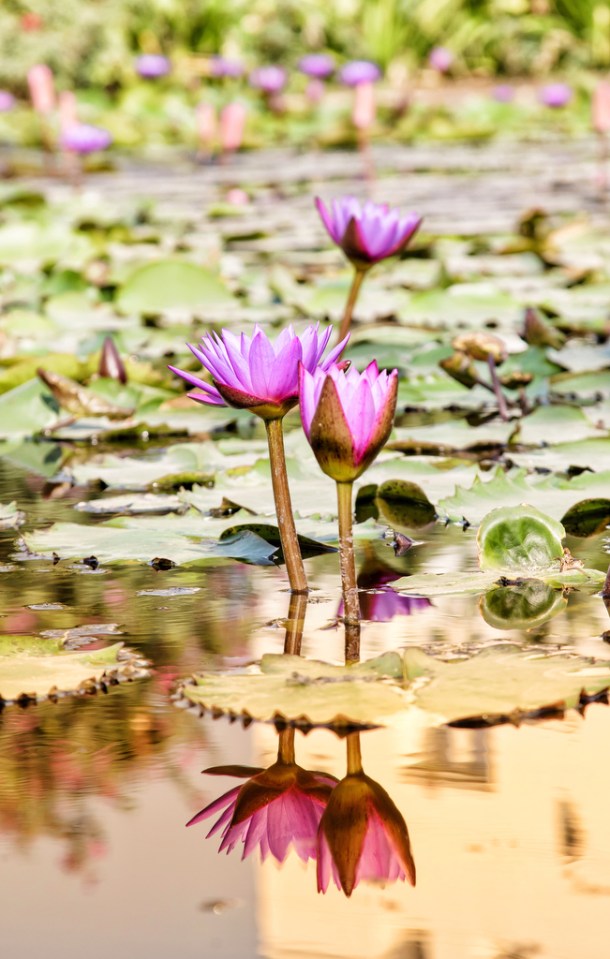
(359, 71)
(7, 101)
(601, 107)
(254, 373)
(206, 124)
(151, 66)
(362, 836)
(556, 95)
(83, 138)
(320, 66)
(276, 809)
(269, 79)
(42, 88)
(347, 416)
(440, 59)
(232, 125)
(224, 67)
(363, 111)
(503, 93)
(369, 232)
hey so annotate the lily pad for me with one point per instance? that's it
(33, 669)
(521, 539)
(10, 516)
(172, 285)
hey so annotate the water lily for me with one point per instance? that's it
(347, 418)
(7, 101)
(556, 95)
(320, 66)
(362, 834)
(252, 372)
(367, 233)
(440, 59)
(359, 71)
(270, 79)
(225, 67)
(151, 66)
(276, 809)
(83, 138)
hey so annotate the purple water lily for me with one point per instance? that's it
(151, 66)
(440, 59)
(254, 373)
(369, 232)
(359, 71)
(270, 79)
(83, 138)
(320, 66)
(347, 416)
(7, 101)
(555, 95)
(503, 93)
(224, 67)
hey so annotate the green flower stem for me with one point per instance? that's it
(349, 586)
(359, 274)
(283, 508)
(354, 756)
(285, 748)
(497, 388)
(295, 622)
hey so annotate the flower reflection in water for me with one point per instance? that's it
(380, 602)
(362, 833)
(276, 808)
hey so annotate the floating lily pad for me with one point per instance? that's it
(502, 681)
(32, 669)
(519, 539)
(172, 285)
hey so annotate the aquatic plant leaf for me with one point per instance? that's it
(587, 517)
(10, 516)
(521, 539)
(525, 606)
(172, 285)
(502, 680)
(28, 409)
(32, 669)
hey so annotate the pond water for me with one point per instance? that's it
(508, 825)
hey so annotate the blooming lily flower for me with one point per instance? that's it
(275, 809)
(556, 95)
(269, 79)
(369, 232)
(359, 71)
(347, 416)
(151, 66)
(440, 59)
(362, 833)
(83, 138)
(254, 373)
(320, 66)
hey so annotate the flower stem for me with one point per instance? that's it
(285, 746)
(357, 279)
(295, 622)
(283, 508)
(497, 388)
(349, 586)
(354, 756)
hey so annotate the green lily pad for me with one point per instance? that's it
(172, 285)
(10, 516)
(33, 669)
(27, 410)
(520, 539)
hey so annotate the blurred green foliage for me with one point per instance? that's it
(94, 43)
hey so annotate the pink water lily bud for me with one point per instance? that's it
(369, 232)
(363, 112)
(276, 809)
(362, 836)
(206, 125)
(347, 417)
(42, 88)
(232, 125)
(111, 365)
(68, 110)
(601, 107)
(257, 374)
